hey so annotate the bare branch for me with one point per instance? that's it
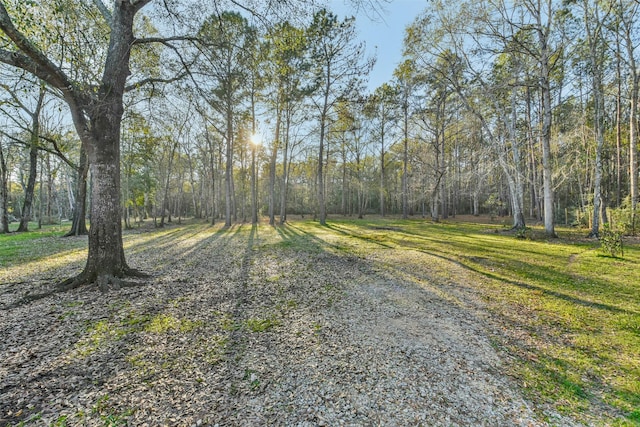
(55, 150)
(152, 80)
(139, 4)
(15, 98)
(104, 11)
(165, 40)
(31, 59)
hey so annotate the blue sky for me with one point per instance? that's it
(385, 33)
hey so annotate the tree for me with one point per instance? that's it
(78, 221)
(593, 24)
(4, 192)
(337, 65)
(96, 112)
(405, 82)
(627, 15)
(382, 107)
(480, 76)
(229, 44)
(543, 20)
(33, 145)
(287, 68)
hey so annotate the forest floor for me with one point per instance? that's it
(351, 324)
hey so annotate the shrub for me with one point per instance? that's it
(611, 241)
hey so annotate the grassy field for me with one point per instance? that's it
(571, 315)
(566, 316)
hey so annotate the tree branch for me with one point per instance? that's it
(139, 4)
(31, 59)
(15, 98)
(152, 80)
(165, 40)
(104, 11)
(55, 151)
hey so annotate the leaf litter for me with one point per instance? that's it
(236, 329)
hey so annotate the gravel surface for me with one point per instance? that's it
(254, 327)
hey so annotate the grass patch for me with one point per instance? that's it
(163, 323)
(576, 313)
(261, 325)
(18, 248)
(98, 335)
(571, 316)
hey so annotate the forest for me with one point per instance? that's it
(277, 242)
(526, 110)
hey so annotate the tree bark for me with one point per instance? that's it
(272, 168)
(4, 194)
(105, 260)
(79, 224)
(382, 153)
(323, 123)
(405, 161)
(545, 87)
(228, 171)
(33, 164)
(285, 172)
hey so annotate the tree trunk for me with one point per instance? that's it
(321, 202)
(105, 259)
(405, 163)
(285, 172)
(633, 120)
(228, 171)
(78, 224)
(272, 170)
(382, 153)
(4, 194)
(254, 189)
(545, 87)
(633, 148)
(596, 61)
(33, 164)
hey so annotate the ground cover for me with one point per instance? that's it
(362, 322)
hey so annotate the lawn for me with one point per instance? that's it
(565, 317)
(570, 314)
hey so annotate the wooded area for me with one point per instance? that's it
(526, 108)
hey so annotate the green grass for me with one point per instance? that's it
(262, 325)
(577, 312)
(37, 245)
(570, 316)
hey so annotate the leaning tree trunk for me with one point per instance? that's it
(33, 165)
(79, 224)
(4, 195)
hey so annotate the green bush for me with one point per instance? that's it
(611, 241)
(624, 220)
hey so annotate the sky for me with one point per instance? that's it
(383, 34)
